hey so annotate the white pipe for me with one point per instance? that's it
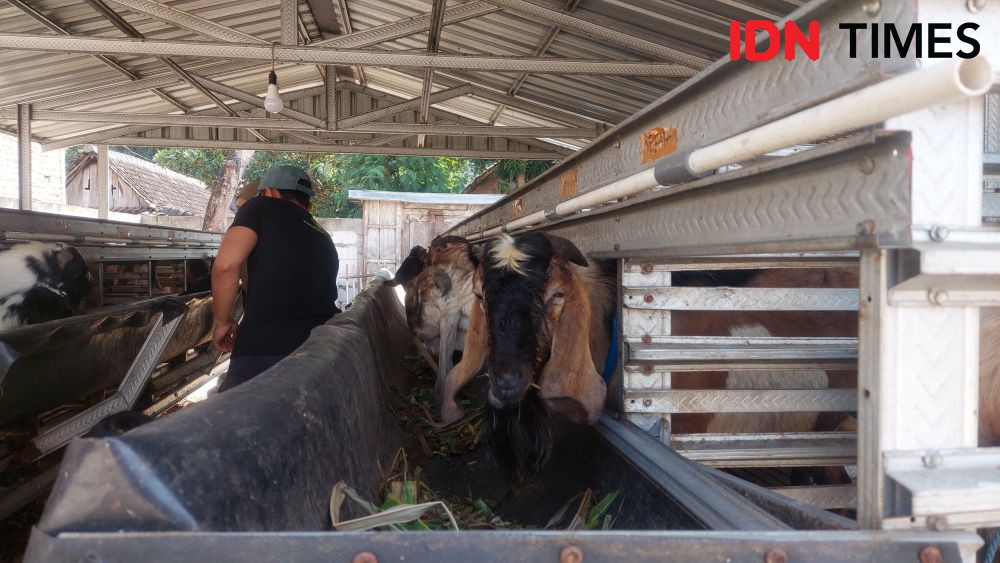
(903, 94)
(931, 85)
(527, 220)
(630, 185)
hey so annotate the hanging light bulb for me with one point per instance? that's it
(272, 101)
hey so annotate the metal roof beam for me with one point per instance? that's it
(120, 88)
(367, 38)
(40, 18)
(101, 135)
(183, 120)
(162, 120)
(330, 82)
(438, 113)
(387, 140)
(131, 31)
(530, 107)
(608, 34)
(257, 101)
(320, 55)
(433, 41)
(413, 104)
(333, 148)
(479, 130)
(289, 22)
(498, 96)
(188, 21)
(539, 51)
(407, 27)
(359, 72)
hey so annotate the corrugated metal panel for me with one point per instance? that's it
(695, 27)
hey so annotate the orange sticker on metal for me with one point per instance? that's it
(657, 142)
(518, 206)
(567, 184)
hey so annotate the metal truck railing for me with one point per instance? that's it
(262, 459)
(903, 191)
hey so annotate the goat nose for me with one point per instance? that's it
(507, 381)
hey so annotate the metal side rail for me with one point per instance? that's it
(787, 449)
(704, 498)
(945, 489)
(720, 500)
(723, 353)
(507, 545)
(129, 389)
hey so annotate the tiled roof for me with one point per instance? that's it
(166, 191)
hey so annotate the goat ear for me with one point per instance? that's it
(570, 384)
(410, 268)
(473, 359)
(475, 254)
(565, 248)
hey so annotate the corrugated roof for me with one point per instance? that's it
(695, 28)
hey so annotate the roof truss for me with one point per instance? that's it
(205, 66)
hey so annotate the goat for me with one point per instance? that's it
(438, 284)
(41, 282)
(541, 328)
(989, 376)
(764, 323)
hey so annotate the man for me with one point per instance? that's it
(246, 193)
(293, 263)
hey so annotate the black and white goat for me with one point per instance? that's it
(41, 282)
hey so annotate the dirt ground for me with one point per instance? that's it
(14, 531)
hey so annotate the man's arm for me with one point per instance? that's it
(237, 245)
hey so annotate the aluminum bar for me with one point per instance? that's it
(186, 20)
(39, 17)
(935, 84)
(332, 148)
(23, 117)
(165, 120)
(103, 182)
(289, 22)
(255, 100)
(320, 55)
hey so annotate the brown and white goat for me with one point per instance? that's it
(820, 324)
(989, 377)
(438, 284)
(751, 324)
(541, 328)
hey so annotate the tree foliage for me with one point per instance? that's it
(337, 174)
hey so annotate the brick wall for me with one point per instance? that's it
(48, 172)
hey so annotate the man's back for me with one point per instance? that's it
(294, 271)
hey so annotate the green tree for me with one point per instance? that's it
(203, 164)
(399, 173)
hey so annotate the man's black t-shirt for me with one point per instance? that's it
(293, 277)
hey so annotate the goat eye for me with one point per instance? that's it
(479, 296)
(558, 295)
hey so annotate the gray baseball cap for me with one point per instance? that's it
(287, 177)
